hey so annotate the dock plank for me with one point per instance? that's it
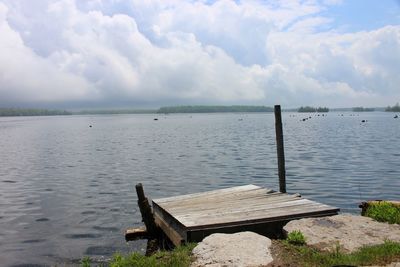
(293, 207)
(219, 192)
(233, 197)
(224, 206)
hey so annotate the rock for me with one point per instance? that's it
(349, 231)
(393, 264)
(240, 249)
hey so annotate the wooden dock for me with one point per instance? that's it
(190, 218)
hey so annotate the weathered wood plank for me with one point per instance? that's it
(223, 206)
(262, 198)
(132, 234)
(242, 224)
(266, 215)
(240, 209)
(225, 199)
(172, 234)
(238, 194)
(208, 194)
(265, 211)
(170, 221)
(281, 209)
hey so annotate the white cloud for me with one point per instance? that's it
(191, 52)
(26, 77)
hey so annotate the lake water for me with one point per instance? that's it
(67, 189)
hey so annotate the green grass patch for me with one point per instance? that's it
(384, 212)
(296, 238)
(85, 262)
(179, 257)
(373, 255)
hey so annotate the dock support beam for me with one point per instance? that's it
(148, 218)
(280, 149)
(145, 210)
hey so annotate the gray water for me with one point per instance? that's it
(67, 189)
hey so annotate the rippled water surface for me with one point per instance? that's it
(67, 189)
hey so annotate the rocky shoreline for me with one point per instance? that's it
(344, 231)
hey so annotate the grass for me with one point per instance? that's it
(307, 256)
(384, 212)
(291, 254)
(179, 257)
(85, 262)
(296, 238)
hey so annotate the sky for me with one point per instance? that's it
(152, 53)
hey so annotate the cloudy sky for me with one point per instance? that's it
(149, 53)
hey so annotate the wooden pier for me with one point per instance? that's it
(189, 218)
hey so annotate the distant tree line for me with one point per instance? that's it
(214, 109)
(115, 111)
(395, 108)
(31, 112)
(362, 109)
(312, 109)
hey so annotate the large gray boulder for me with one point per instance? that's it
(240, 249)
(349, 231)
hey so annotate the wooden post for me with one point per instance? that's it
(280, 149)
(145, 210)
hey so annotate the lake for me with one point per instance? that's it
(67, 189)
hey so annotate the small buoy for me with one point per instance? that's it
(90, 126)
(304, 119)
(364, 121)
(155, 119)
(396, 117)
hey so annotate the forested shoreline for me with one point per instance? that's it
(213, 109)
(5, 112)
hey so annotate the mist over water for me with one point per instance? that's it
(67, 189)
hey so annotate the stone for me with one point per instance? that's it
(393, 264)
(240, 250)
(350, 232)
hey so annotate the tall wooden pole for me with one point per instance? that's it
(280, 149)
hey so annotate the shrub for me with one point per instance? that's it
(296, 238)
(383, 212)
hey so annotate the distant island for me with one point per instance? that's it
(395, 108)
(309, 109)
(31, 112)
(362, 109)
(213, 109)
